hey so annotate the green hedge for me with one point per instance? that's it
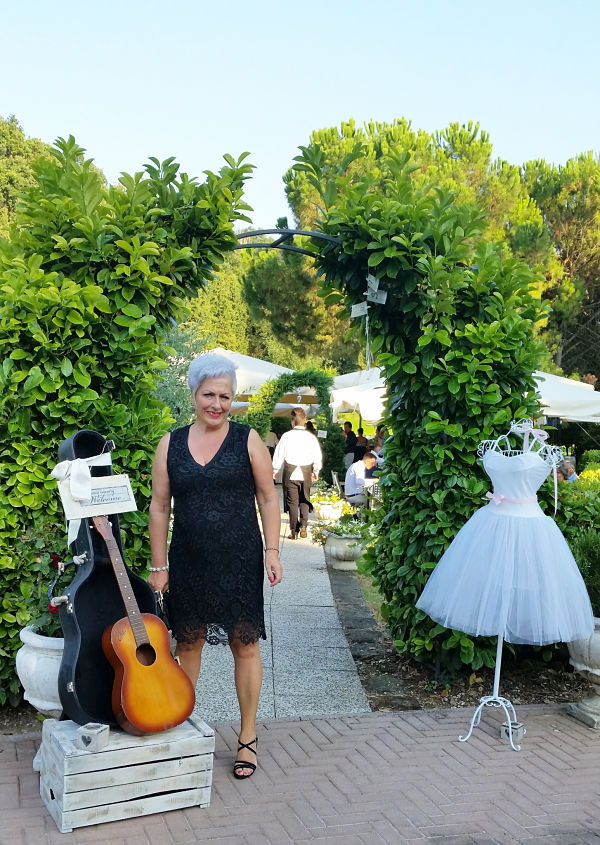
(455, 339)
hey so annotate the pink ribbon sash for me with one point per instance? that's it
(498, 498)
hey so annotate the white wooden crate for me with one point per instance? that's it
(132, 776)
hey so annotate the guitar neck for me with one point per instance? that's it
(132, 610)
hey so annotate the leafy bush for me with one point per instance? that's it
(181, 347)
(578, 506)
(586, 551)
(91, 279)
(591, 456)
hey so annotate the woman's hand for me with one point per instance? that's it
(273, 567)
(159, 581)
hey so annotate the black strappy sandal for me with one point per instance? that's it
(242, 764)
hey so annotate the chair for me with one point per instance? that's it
(339, 485)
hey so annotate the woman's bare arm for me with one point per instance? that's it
(160, 511)
(268, 504)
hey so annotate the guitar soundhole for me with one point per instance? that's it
(145, 654)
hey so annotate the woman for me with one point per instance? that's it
(215, 469)
(361, 445)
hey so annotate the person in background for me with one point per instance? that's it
(298, 457)
(216, 472)
(560, 476)
(361, 444)
(377, 451)
(350, 444)
(356, 480)
(271, 441)
(569, 471)
(380, 435)
(310, 426)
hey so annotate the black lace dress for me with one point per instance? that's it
(216, 554)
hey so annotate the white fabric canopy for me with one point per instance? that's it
(251, 373)
(370, 378)
(281, 409)
(565, 398)
(364, 391)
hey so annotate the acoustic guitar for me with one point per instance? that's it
(151, 692)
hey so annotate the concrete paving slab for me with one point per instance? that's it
(298, 637)
(305, 597)
(310, 656)
(216, 699)
(306, 618)
(315, 692)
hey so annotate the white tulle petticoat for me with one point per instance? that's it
(512, 575)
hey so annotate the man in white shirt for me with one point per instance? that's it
(298, 457)
(356, 480)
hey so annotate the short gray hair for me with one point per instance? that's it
(210, 365)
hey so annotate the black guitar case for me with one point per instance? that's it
(85, 678)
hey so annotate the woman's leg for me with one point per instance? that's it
(190, 658)
(248, 680)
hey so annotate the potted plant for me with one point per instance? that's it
(328, 504)
(341, 539)
(38, 659)
(585, 654)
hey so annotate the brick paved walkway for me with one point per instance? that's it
(362, 780)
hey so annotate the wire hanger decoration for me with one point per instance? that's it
(361, 309)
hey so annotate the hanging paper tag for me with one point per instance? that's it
(359, 310)
(322, 434)
(379, 296)
(372, 283)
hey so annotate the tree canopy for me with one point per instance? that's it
(569, 199)
(545, 215)
(17, 154)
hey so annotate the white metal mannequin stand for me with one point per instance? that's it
(511, 727)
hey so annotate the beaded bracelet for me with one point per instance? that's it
(158, 569)
(271, 549)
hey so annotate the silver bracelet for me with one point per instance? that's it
(158, 569)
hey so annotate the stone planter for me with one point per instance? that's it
(328, 511)
(343, 550)
(585, 658)
(37, 662)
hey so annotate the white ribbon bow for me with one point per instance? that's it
(525, 427)
(77, 474)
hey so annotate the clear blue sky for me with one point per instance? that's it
(195, 79)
